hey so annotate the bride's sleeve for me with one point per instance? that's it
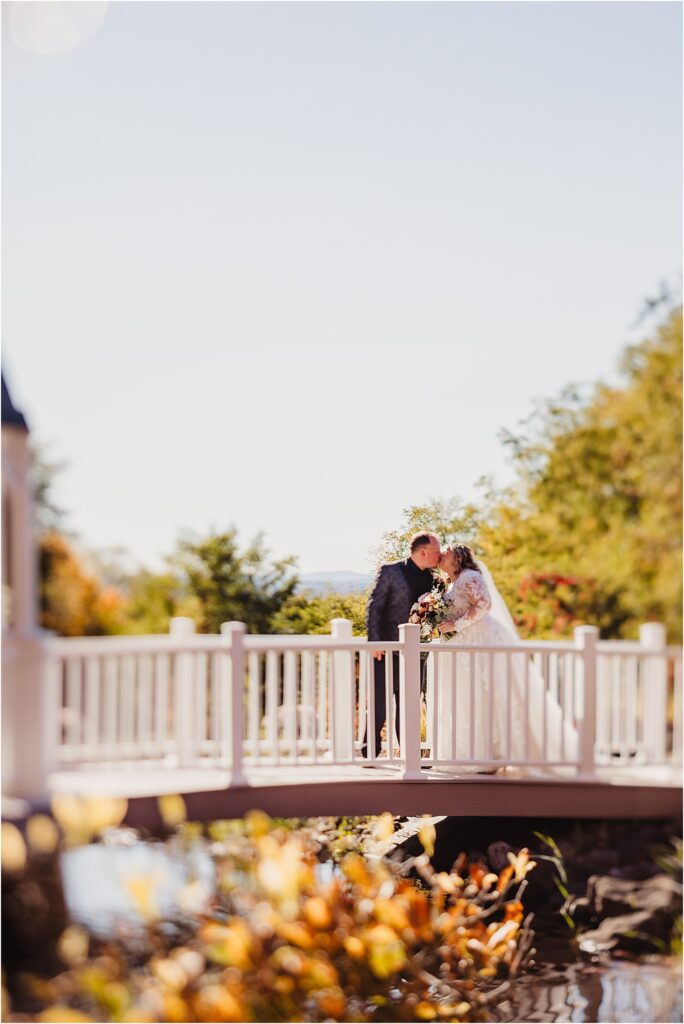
(479, 601)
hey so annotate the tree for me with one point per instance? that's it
(309, 613)
(224, 585)
(153, 600)
(72, 603)
(598, 493)
(590, 530)
(451, 519)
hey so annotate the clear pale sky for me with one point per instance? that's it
(293, 266)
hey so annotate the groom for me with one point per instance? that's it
(397, 586)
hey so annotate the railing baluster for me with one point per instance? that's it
(199, 674)
(543, 671)
(490, 709)
(144, 704)
(272, 673)
(74, 709)
(471, 704)
(436, 686)
(362, 715)
(371, 751)
(526, 672)
(161, 702)
(509, 678)
(614, 706)
(322, 677)
(290, 704)
(631, 706)
(390, 707)
(254, 708)
(92, 706)
(676, 753)
(215, 707)
(453, 658)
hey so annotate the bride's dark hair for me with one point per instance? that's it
(466, 558)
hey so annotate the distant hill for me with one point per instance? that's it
(334, 582)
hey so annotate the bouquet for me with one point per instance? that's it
(429, 610)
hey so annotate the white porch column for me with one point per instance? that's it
(586, 638)
(22, 556)
(343, 702)
(654, 692)
(29, 716)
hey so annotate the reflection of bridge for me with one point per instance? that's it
(279, 722)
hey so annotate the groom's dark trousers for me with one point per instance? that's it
(397, 586)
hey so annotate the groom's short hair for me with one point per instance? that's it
(420, 540)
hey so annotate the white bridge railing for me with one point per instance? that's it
(239, 701)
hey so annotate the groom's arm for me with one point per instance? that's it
(377, 603)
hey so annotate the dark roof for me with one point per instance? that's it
(11, 417)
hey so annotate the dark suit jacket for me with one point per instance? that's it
(389, 603)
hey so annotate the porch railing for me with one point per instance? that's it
(238, 701)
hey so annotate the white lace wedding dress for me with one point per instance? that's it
(493, 706)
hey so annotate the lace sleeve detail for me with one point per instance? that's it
(474, 588)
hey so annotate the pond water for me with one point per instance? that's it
(613, 991)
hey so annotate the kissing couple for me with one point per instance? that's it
(474, 613)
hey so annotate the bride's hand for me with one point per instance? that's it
(447, 626)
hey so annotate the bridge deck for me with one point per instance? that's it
(302, 791)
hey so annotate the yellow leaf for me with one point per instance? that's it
(60, 1013)
(42, 834)
(216, 1003)
(73, 944)
(392, 913)
(257, 823)
(317, 913)
(172, 809)
(104, 812)
(67, 809)
(170, 973)
(383, 828)
(13, 848)
(141, 889)
(427, 836)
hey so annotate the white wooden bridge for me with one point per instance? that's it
(235, 721)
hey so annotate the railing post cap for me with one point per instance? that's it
(233, 627)
(409, 628)
(341, 628)
(653, 634)
(586, 634)
(181, 625)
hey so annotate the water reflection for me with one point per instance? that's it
(617, 991)
(144, 881)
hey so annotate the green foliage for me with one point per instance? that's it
(48, 515)
(598, 494)
(561, 875)
(450, 519)
(153, 600)
(590, 531)
(308, 613)
(224, 584)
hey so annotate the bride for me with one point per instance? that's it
(492, 705)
